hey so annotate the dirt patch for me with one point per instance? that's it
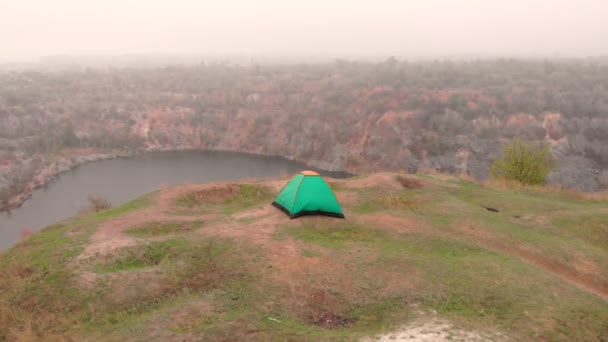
(409, 182)
(397, 277)
(379, 180)
(571, 275)
(256, 213)
(169, 325)
(585, 265)
(537, 221)
(330, 320)
(396, 223)
(316, 289)
(477, 233)
(435, 330)
(166, 197)
(212, 195)
(587, 282)
(277, 185)
(187, 316)
(287, 270)
(259, 231)
(86, 280)
(133, 286)
(75, 231)
(347, 197)
(110, 235)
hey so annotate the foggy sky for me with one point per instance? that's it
(332, 28)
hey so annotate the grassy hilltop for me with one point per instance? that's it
(424, 256)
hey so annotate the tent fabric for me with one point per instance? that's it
(308, 194)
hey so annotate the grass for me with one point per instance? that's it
(152, 229)
(133, 205)
(368, 277)
(309, 253)
(248, 196)
(393, 200)
(38, 297)
(334, 236)
(562, 228)
(141, 256)
(408, 182)
(226, 200)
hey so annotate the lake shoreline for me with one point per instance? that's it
(52, 170)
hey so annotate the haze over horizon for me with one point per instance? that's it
(30, 29)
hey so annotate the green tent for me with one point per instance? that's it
(308, 194)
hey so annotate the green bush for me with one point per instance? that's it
(524, 162)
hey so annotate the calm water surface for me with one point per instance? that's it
(121, 180)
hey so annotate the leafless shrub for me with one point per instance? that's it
(96, 203)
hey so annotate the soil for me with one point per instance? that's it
(216, 194)
(392, 222)
(378, 180)
(574, 276)
(434, 330)
(347, 197)
(110, 235)
(290, 271)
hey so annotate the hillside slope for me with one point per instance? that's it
(352, 116)
(429, 256)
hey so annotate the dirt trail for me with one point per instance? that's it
(110, 235)
(566, 273)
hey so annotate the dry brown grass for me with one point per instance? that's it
(409, 182)
(599, 196)
(26, 319)
(216, 194)
(396, 202)
(502, 183)
(96, 203)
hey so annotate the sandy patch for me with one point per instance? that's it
(435, 330)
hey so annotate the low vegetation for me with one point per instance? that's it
(524, 162)
(409, 182)
(334, 236)
(227, 199)
(163, 228)
(377, 200)
(150, 254)
(533, 270)
(96, 203)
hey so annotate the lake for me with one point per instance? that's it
(120, 180)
